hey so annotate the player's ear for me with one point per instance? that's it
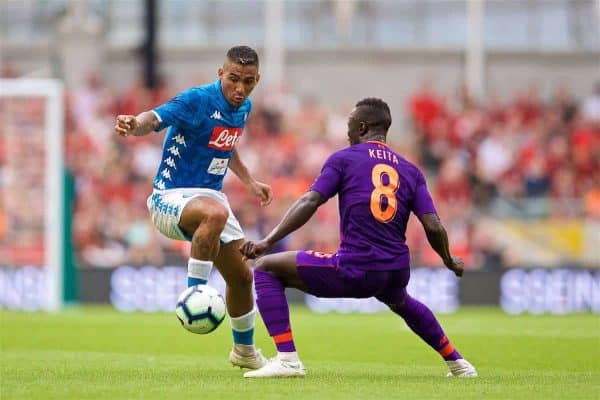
(257, 77)
(220, 72)
(363, 128)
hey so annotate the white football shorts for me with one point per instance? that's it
(166, 206)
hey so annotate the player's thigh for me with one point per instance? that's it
(231, 265)
(284, 267)
(324, 277)
(394, 294)
(201, 210)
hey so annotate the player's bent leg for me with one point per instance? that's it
(272, 275)
(273, 306)
(274, 309)
(240, 305)
(237, 276)
(421, 320)
(202, 220)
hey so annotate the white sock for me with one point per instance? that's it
(199, 269)
(291, 356)
(244, 322)
(243, 330)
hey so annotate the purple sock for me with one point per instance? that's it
(273, 307)
(421, 320)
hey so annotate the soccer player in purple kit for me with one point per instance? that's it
(377, 189)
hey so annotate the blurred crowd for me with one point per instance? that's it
(527, 156)
(22, 191)
(523, 157)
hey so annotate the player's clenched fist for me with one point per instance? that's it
(263, 192)
(456, 265)
(126, 125)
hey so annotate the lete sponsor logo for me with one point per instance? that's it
(224, 138)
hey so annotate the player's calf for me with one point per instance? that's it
(240, 305)
(421, 321)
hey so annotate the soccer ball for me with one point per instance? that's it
(200, 309)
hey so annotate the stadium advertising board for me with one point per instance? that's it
(516, 291)
(559, 291)
(24, 288)
(156, 288)
(151, 288)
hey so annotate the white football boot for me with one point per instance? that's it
(277, 368)
(461, 368)
(250, 361)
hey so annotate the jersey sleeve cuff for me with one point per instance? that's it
(321, 191)
(423, 211)
(160, 121)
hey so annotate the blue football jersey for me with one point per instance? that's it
(203, 131)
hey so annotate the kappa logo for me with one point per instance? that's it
(216, 115)
(223, 138)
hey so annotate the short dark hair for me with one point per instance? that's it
(376, 112)
(243, 55)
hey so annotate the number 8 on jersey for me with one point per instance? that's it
(383, 196)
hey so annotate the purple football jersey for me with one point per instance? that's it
(378, 189)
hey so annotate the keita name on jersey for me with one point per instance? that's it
(383, 155)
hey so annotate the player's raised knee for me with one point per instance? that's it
(217, 217)
(211, 213)
(204, 212)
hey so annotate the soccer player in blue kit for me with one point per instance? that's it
(205, 123)
(377, 190)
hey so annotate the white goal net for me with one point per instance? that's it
(31, 194)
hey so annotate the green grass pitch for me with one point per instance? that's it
(98, 353)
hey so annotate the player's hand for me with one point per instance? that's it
(126, 125)
(251, 250)
(262, 191)
(456, 265)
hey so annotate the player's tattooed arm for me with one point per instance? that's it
(296, 216)
(258, 189)
(438, 239)
(139, 125)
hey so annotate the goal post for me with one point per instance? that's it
(13, 94)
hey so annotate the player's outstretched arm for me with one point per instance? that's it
(139, 125)
(259, 189)
(438, 239)
(296, 216)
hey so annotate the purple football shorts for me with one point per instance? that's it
(325, 278)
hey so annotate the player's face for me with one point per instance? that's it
(238, 81)
(356, 127)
